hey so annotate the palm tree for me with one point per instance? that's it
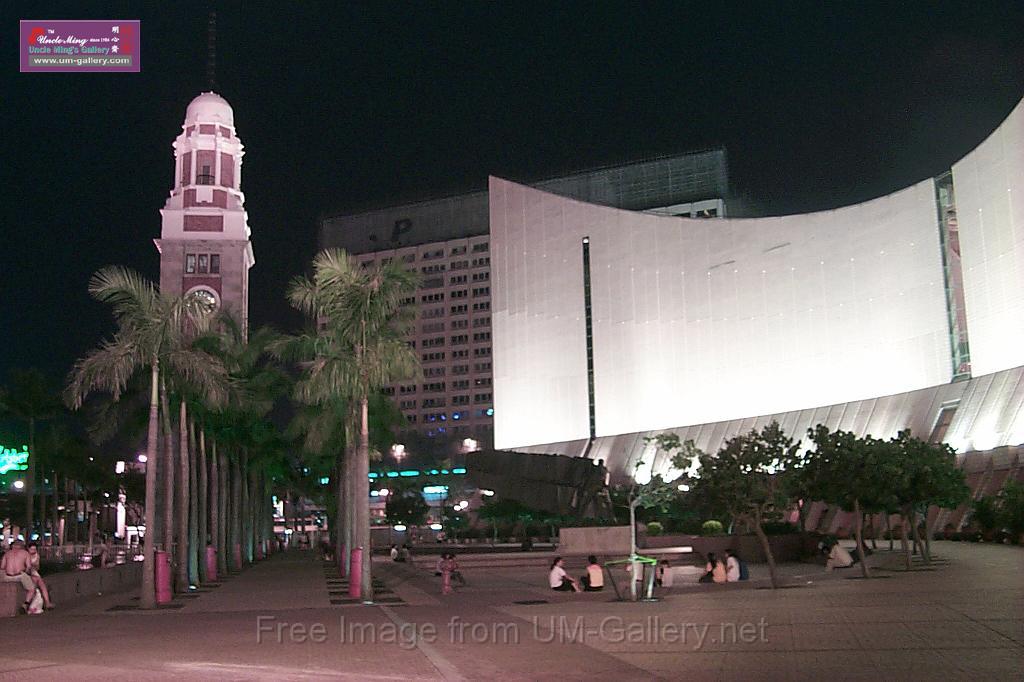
(29, 400)
(358, 347)
(151, 335)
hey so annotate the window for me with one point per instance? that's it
(459, 309)
(409, 258)
(430, 255)
(482, 291)
(432, 269)
(433, 402)
(482, 336)
(460, 384)
(460, 400)
(407, 405)
(408, 301)
(433, 357)
(435, 342)
(482, 322)
(457, 251)
(214, 263)
(460, 293)
(481, 262)
(433, 327)
(459, 324)
(388, 390)
(484, 352)
(460, 338)
(204, 264)
(481, 397)
(432, 283)
(457, 279)
(461, 369)
(431, 372)
(435, 387)
(205, 176)
(482, 367)
(460, 265)
(481, 276)
(481, 247)
(190, 263)
(482, 305)
(407, 389)
(459, 354)
(411, 418)
(432, 298)
(483, 381)
(430, 313)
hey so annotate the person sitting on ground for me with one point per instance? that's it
(394, 553)
(714, 570)
(33, 570)
(838, 557)
(439, 569)
(453, 568)
(559, 580)
(593, 579)
(659, 574)
(732, 566)
(15, 564)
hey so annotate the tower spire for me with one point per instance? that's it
(211, 51)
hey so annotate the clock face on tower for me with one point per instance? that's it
(204, 299)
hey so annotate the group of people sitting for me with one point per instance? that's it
(591, 581)
(732, 570)
(20, 564)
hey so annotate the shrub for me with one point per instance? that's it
(654, 528)
(778, 528)
(712, 527)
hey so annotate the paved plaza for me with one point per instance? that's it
(289, 618)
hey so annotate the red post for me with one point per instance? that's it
(211, 563)
(355, 571)
(259, 551)
(163, 577)
(238, 557)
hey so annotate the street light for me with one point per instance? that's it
(143, 459)
(398, 452)
(18, 485)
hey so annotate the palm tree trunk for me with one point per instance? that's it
(245, 520)
(250, 511)
(41, 494)
(30, 479)
(55, 535)
(222, 530)
(169, 467)
(362, 499)
(235, 517)
(340, 543)
(217, 509)
(181, 503)
(193, 507)
(202, 507)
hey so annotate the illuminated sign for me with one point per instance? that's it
(13, 460)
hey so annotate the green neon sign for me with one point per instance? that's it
(13, 460)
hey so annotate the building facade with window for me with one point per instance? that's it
(447, 242)
(906, 311)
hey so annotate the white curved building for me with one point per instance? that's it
(902, 311)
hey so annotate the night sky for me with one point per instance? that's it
(352, 105)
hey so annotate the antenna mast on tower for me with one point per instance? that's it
(211, 51)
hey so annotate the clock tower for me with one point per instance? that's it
(204, 243)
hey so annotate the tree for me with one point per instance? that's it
(747, 478)
(929, 477)
(150, 336)
(407, 507)
(29, 400)
(1011, 509)
(356, 347)
(853, 472)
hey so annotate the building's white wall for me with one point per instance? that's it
(989, 185)
(699, 321)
